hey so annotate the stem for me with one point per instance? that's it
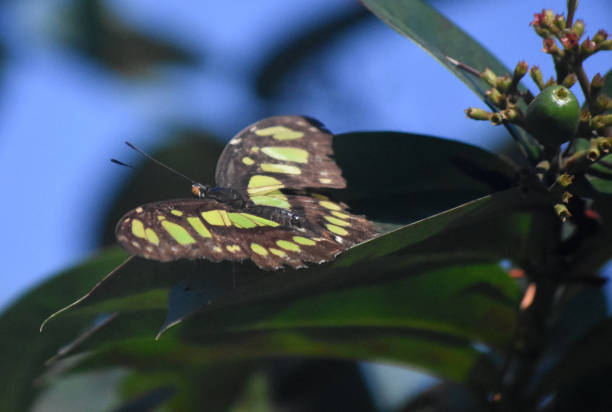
(535, 322)
(464, 67)
(585, 84)
(571, 9)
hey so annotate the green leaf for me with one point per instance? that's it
(490, 229)
(476, 302)
(23, 350)
(441, 38)
(441, 354)
(400, 177)
(368, 276)
(169, 361)
(485, 226)
(415, 296)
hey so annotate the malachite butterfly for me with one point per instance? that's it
(264, 206)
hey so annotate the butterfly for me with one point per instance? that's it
(264, 206)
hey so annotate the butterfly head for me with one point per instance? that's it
(199, 190)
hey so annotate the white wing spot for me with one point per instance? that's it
(135, 244)
(339, 239)
(235, 140)
(174, 249)
(138, 209)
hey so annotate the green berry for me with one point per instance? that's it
(552, 117)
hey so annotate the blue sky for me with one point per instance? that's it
(62, 117)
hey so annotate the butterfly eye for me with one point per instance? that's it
(296, 221)
(195, 189)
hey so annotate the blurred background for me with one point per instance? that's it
(78, 78)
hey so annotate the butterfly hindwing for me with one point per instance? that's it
(196, 228)
(331, 219)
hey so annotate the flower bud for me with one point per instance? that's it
(477, 114)
(510, 114)
(503, 83)
(536, 75)
(559, 23)
(489, 77)
(602, 103)
(564, 180)
(593, 151)
(604, 143)
(569, 80)
(605, 45)
(578, 28)
(601, 121)
(495, 96)
(521, 69)
(562, 211)
(588, 47)
(597, 83)
(550, 47)
(600, 36)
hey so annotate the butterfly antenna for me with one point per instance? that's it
(120, 163)
(165, 166)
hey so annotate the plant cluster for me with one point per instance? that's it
(554, 117)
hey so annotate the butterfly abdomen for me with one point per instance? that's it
(288, 218)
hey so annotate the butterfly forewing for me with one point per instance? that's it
(196, 228)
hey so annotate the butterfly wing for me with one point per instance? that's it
(205, 228)
(291, 152)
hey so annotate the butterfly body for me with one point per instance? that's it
(237, 200)
(264, 207)
(220, 194)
